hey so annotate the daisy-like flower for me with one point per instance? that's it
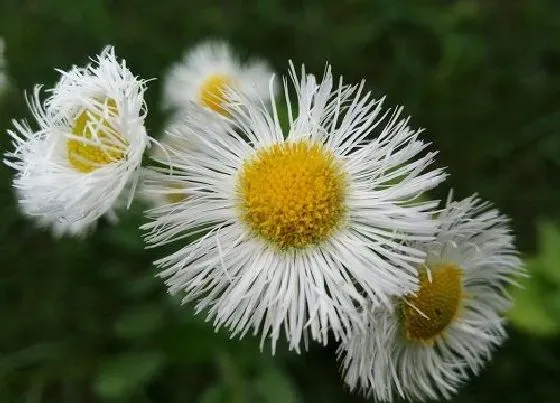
(88, 147)
(161, 188)
(427, 343)
(207, 71)
(3, 76)
(158, 185)
(300, 227)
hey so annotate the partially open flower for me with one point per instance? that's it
(87, 149)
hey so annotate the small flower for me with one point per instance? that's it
(207, 71)
(159, 186)
(424, 345)
(88, 147)
(300, 228)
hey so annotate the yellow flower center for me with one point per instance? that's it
(97, 143)
(435, 306)
(292, 194)
(212, 92)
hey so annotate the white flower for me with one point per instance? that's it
(177, 139)
(426, 345)
(3, 76)
(159, 187)
(301, 228)
(88, 147)
(207, 71)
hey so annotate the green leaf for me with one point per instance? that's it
(274, 387)
(530, 311)
(144, 284)
(139, 322)
(549, 252)
(124, 374)
(537, 303)
(214, 394)
(191, 343)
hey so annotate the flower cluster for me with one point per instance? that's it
(300, 217)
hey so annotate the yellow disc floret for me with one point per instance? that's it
(96, 143)
(212, 92)
(292, 194)
(428, 313)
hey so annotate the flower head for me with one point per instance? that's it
(423, 346)
(300, 227)
(88, 147)
(205, 74)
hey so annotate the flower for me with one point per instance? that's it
(207, 71)
(300, 228)
(424, 345)
(158, 186)
(88, 147)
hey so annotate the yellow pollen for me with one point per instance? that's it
(436, 305)
(212, 92)
(97, 144)
(292, 194)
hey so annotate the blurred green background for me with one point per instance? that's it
(86, 321)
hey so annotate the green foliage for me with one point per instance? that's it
(537, 302)
(88, 321)
(273, 386)
(121, 375)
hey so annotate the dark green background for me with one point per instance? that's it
(85, 321)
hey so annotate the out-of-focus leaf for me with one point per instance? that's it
(272, 386)
(537, 302)
(139, 322)
(125, 234)
(124, 374)
(214, 394)
(530, 313)
(233, 377)
(549, 252)
(40, 352)
(191, 343)
(144, 284)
